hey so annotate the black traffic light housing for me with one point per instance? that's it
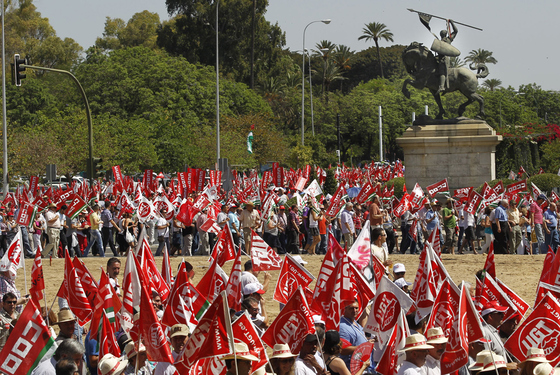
(97, 167)
(18, 69)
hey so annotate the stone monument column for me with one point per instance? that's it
(463, 152)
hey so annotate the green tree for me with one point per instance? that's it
(140, 30)
(343, 57)
(375, 31)
(191, 33)
(481, 56)
(492, 83)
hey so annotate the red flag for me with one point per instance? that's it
(334, 254)
(13, 257)
(490, 264)
(292, 324)
(466, 323)
(131, 284)
(435, 241)
(262, 255)
(224, 249)
(210, 338)
(292, 275)
(181, 301)
(26, 213)
(107, 341)
(88, 283)
(520, 304)
(234, 287)
(213, 282)
(364, 293)
(424, 288)
(37, 279)
(166, 271)
(387, 365)
(438, 187)
(73, 291)
(107, 304)
(29, 342)
(155, 279)
(541, 329)
(522, 170)
(339, 291)
(151, 331)
(445, 307)
(243, 330)
(386, 308)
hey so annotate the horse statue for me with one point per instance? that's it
(421, 63)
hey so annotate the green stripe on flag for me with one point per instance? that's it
(202, 310)
(48, 349)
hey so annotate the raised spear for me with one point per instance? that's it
(442, 18)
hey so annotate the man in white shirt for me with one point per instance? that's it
(437, 339)
(307, 363)
(416, 350)
(53, 231)
(249, 276)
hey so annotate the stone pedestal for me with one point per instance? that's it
(463, 152)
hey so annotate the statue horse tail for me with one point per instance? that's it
(481, 70)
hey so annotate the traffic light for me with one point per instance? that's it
(97, 168)
(18, 69)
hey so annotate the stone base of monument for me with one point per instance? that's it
(461, 150)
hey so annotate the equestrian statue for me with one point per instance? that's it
(433, 71)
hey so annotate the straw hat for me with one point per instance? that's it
(477, 366)
(535, 355)
(282, 351)
(493, 362)
(436, 336)
(545, 369)
(111, 365)
(130, 349)
(416, 342)
(65, 316)
(241, 352)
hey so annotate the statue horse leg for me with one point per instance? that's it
(404, 90)
(471, 98)
(437, 97)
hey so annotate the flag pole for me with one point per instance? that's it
(229, 330)
(23, 258)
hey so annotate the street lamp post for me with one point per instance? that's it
(325, 21)
(217, 91)
(311, 93)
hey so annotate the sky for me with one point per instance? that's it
(522, 35)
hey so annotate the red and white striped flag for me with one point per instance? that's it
(37, 280)
(13, 257)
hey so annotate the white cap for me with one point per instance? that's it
(401, 283)
(318, 319)
(398, 267)
(252, 288)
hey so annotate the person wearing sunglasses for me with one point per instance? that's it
(8, 317)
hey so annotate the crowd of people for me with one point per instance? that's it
(297, 228)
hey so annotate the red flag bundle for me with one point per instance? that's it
(150, 330)
(224, 249)
(210, 338)
(334, 254)
(155, 279)
(37, 279)
(244, 330)
(424, 288)
(107, 304)
(444, 313)
(339, 291)
(29, 342)
(73, 291)
(292, 325)
(292, 276)
(131, 284)
(262, 255)
(166, 272)
(174, 312)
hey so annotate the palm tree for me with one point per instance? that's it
(324, 49)
(492, 83)
(343, 57)
(375, 31)
(481, 56)
(456, 62)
